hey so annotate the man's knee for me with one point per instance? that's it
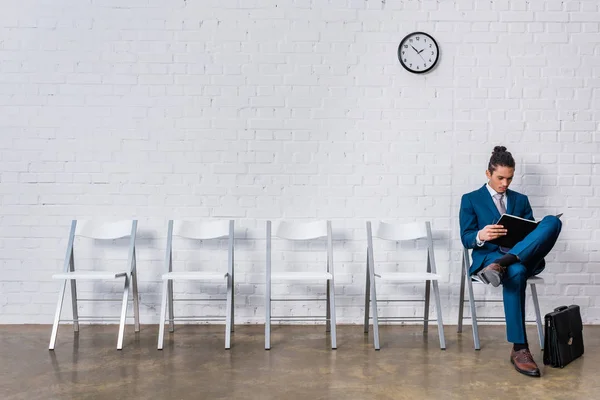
(553, 222)
(516, 275)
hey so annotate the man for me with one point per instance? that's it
(479, 212)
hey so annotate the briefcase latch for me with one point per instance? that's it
(570, 341)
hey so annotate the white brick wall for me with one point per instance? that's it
(257, 109)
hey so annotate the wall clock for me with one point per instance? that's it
(418, 52)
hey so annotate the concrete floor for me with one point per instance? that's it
(300, 365)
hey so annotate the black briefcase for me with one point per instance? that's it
(563, 336)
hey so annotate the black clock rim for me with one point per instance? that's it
(434, 42)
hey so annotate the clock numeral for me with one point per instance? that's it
(418, 38)
(410, 40)
(430, 60)
(410, 65)
(425, 65)
(425, 39)
(406, 46)
(403, 51)
(417, 67)
(430, 45)
(405, 60)
(432, 53)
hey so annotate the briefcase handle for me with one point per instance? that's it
(560, 308)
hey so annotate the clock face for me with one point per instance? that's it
(418, 52)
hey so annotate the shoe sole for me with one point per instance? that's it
(528, 373)
(490, 277)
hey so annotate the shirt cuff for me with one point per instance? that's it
(479, 242)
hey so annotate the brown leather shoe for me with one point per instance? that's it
(493, 274)
(523, 362)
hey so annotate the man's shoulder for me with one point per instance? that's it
(471, 194)
(517, 195)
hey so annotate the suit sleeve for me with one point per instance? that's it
(468, 223)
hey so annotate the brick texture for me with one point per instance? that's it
(294, 109)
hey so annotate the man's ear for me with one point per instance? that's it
(488, 174)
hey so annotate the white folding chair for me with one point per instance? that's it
(400, 233)
(301, 231)
(470, 279)
(204, 230)
(99, 231)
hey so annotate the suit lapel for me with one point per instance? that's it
(510, 198)
(487, 200)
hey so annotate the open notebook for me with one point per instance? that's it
(517, 228)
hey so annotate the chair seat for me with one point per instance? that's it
(301, 276)
(409, 276)
(195, 276)
(90, 275)
(536, 280)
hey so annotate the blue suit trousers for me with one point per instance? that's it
(530, 251)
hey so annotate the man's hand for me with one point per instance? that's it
(491, 232)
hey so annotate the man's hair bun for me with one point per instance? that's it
(500, 158)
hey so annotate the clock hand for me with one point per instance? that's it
(414, 48)
(419, 52)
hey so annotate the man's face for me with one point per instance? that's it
(501, 178)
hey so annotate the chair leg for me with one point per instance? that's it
(328, 311)
(367, 301)
(163, 315)
(136, 301)
(375, 316)
(461, 304)
(426, 311)
(331, 288)
(61, 296)
(268, 315)
(232, 303)
(438, 307)
(229, 313)
(123, 313)
(473, 312)
(538, 317)
(74, 306)
(171, 317)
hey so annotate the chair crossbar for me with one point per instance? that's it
(99, 300)
(298, 299)
(402, 300)
(199, 299)
(403, 319)
(484, 301)
(300, 319)
(195, 318)
(100, 318)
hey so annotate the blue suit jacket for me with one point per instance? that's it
(477, 209)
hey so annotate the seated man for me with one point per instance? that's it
(479, 210)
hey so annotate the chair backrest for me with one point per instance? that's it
(300, 230)
(102, 230)
(399, 233)
(105, 230)
(297, 231)
(200, 230)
